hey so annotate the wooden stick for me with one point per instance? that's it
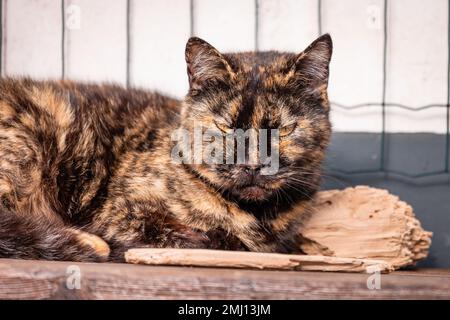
(253, 260)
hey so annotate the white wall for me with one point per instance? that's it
(158, 36)
(32, 39)
(96, 47)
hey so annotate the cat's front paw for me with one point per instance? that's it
(223, 240)
(188, 238)
(97, 248)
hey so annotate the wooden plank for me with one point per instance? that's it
(417, 64)
(356, 69)
(289, 25)
(253, 260)
(97, 50)
(227, 25)
(32, 38)
(417, 76)
(21, 279)
(159, 33)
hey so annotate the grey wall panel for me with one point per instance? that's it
(428, 195)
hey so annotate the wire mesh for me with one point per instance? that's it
(383, 104)
(63, 39)
(1, 37)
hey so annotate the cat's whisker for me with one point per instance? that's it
(321, 174)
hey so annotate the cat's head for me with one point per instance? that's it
(261, 90)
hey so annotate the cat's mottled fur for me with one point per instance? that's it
(85, 170)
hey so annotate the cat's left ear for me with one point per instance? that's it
(312, 65)
(205, 64)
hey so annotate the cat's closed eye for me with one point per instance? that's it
(223, 127)
(287, 130)
(283, 131)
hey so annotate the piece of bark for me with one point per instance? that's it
(252, 260)
(365, 223)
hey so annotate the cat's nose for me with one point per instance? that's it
(252, 170)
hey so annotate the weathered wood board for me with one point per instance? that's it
(21, 279)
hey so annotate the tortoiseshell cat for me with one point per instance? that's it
(86, 170)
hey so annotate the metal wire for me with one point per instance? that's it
(319, 16)
(191, 14)
(389, 171)
(387, 104)
(256, 25)
(447, 137)
(384, 105)
(383, 97)
(63, 39)
(1, 37)
(128, 28)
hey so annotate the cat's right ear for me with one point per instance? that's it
(205, 64)
(311, 67)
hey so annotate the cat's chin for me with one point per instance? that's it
(252, 193)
